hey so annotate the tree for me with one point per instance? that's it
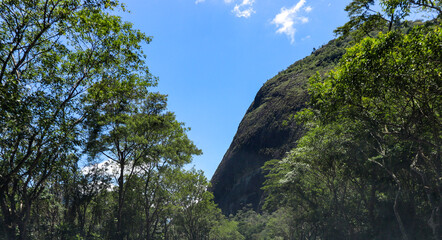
(226, 229)
(80, 189)
(250, 223)
(391, 85)
(320, 182)
(195, 212)
(366, 20)
(51, 52)
(130, 126)
(74, 83)
(372, 149)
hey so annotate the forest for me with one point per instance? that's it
(75, 87)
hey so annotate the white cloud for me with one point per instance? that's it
(244, 9)
(228, 1)
(303, 19)
(287, 18)
(199, 1)
(108, 167)
(306, 38)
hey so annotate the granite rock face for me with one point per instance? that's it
(267, 132)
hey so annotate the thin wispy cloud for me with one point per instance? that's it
(306, 38)
(285, 20)
(244, 9)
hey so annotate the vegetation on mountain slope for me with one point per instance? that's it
(368, 165)
(363, 139)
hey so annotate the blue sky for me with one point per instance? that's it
(212, 56)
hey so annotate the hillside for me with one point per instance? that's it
(266, 132)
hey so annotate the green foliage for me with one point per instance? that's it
(51, 53)
(196, 213)
(226, 230)
(372, 150)
(391, 85)
(367, 21)
(74, 84)
(131, 127)
(250, 223)
(315, 183)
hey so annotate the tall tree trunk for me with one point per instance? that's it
(15, 220)
(120, 203)
(398, 216)
(25, 213)
(9, 228)
(166, 237)
(371, 207)
(22, 226)
(148, 226)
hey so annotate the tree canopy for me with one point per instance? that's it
(74, 85)
(372, 150)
